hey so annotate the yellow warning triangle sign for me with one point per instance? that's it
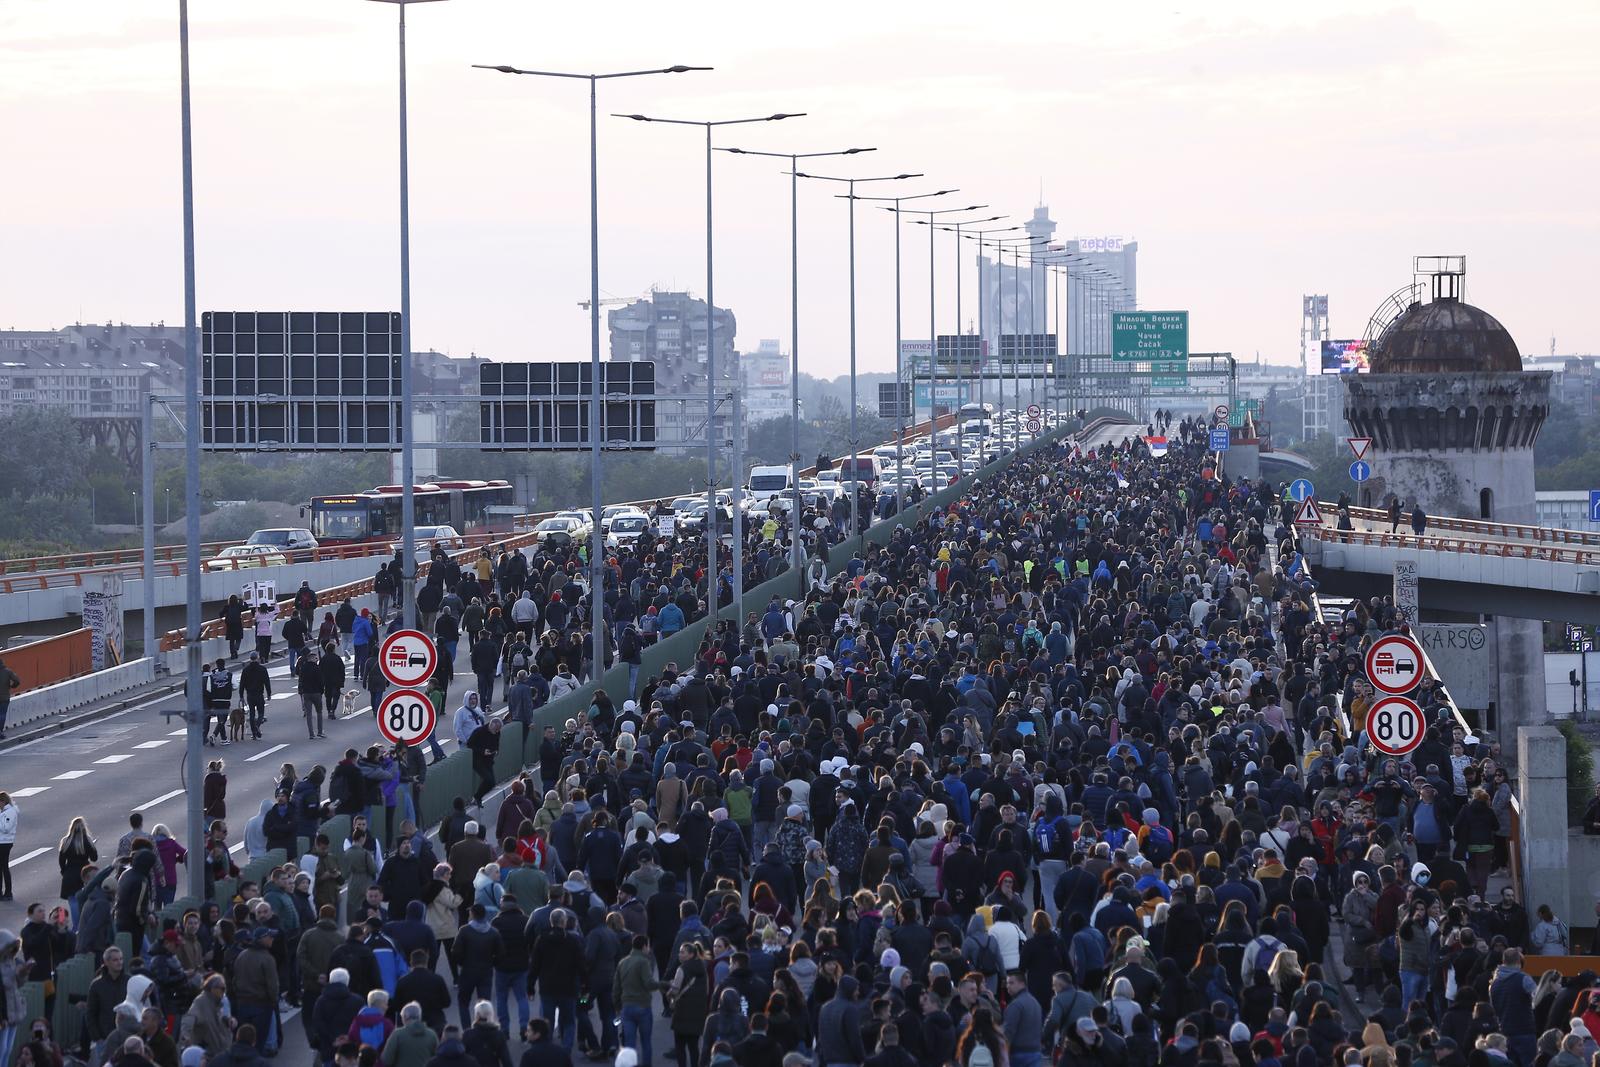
(1309, 514)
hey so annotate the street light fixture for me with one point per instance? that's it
(956, 229)
(597, 587)
(408, 510)
(712, 597)
(899, 407)
(795, 509)
(851, 183)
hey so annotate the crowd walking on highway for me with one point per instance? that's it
(1070, 769)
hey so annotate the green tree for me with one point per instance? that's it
(42, 454)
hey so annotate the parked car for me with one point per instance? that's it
(613, 512)
(445, 537)
(559, 530)
(293, 539)
(629, 529)
(242, 557)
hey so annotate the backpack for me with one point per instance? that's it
(1267, 952)
(980, 1056)
(1158, 845)
(988, 961)
(519, 657)
(1052, 837)
(372, 1035)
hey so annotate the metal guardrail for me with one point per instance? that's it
(1516, 531)
(1551, 553)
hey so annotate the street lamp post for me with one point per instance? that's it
(408, 507)
(195, 736)
(597, 545)
(899, 344)
(956, 228)
(710, 528)
(980, 235)
(851, 183)
(795, 509)
(933, 339)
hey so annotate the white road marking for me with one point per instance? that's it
(26, 856)
(286, 696)
(87, 725)
(31, 791)
(264, 753)
(159, 800)
(158, 744)
(114, 759)
(179, 732)
(71, 776)
(240, 845)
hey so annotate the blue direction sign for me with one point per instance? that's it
(1594, 505)
(1300, 489)
(1360, 470)
(1219, 439)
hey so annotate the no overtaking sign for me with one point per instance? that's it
(407, 658)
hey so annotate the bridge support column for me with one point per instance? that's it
(1542, 791)
(1519, 667)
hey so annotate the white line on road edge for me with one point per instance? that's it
(264, 753)
(236, 848)
(163, 798)
(96, 722)
(286, 696)
(26, 856)
(179, 732)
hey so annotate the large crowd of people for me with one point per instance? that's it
(1070, 769)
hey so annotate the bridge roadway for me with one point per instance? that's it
(132, 760)
(1465, 565)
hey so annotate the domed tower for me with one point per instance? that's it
(1451, 413)
(1453, 418)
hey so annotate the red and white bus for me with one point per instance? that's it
(356, 518)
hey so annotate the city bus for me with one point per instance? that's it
(357, 518)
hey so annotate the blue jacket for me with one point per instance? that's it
(364, 632)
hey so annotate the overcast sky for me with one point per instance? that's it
(1255, 151)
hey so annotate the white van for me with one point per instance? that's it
(768, 482)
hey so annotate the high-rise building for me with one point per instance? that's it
(1104, 278)
(766, 383)
(670, 330)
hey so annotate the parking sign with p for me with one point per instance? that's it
(407, 658)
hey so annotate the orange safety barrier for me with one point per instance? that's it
(52, 660)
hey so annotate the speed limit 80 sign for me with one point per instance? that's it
(406, 715)
(1395, 726)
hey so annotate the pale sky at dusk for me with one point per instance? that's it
(1256, 151)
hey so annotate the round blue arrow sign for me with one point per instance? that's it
(1300, 489)
(1360, 471)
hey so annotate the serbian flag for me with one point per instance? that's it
(1157, 446)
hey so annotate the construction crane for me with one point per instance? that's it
(607, 300)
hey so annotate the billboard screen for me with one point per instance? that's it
(1345, 357)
